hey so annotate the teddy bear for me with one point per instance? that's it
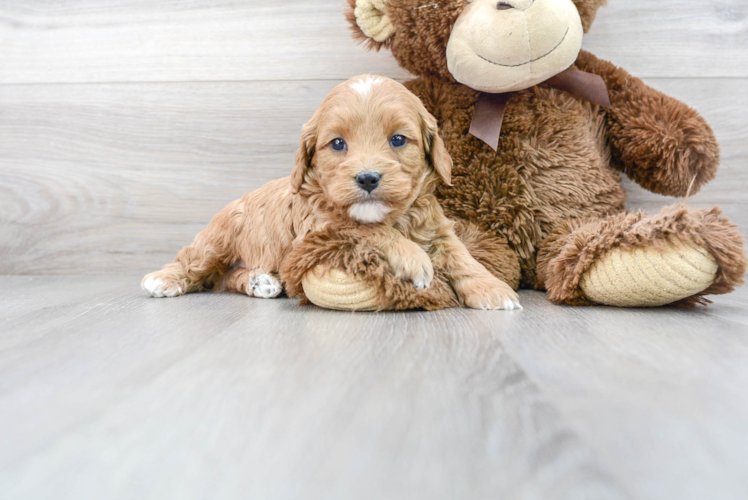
(538, 150)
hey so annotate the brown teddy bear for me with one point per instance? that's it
(543, 187)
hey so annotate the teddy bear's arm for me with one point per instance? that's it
(656, 140)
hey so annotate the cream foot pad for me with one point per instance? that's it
(336, 290)
(649, 277)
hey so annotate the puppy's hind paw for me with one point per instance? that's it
(265, 286)
(161, 287)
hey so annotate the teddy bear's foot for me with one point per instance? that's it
(634, 260)
(334, 289)
(649, 276)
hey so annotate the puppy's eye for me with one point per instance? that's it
(398, 141)
(338, 144)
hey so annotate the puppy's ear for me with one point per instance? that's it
(305, 154)
(436, 152)
(370, 23)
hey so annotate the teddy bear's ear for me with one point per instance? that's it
(587, 11)
(370, 23)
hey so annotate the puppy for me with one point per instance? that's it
(369, 158)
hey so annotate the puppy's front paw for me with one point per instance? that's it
(416, 268)
(487, 293)
(264, 286)
(160, 284)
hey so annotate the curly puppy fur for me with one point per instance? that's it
(559, 158)
(350, 135)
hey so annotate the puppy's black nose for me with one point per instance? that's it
(504, 6)
(368, 181)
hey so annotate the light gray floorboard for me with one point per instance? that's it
(222, 396)
(664, 386)
(105, 393)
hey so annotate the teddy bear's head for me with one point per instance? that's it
(489, 45)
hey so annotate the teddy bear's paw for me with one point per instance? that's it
(649, 276)
(487, 293)
(160, 284)
(334, 289)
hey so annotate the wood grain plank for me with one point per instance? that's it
(201, 40)
(223, 396)
(673, 38)
(194, 40)
(115, 178)
(21, 304)
(663, 385)
(78, 160)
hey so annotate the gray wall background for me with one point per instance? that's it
(125, 126)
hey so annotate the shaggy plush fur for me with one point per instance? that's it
(559, 158)
(351, 134)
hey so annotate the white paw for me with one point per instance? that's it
(424, 281)
(510, 305)
(158, 288)
(265, 286)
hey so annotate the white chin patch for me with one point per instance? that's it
(369, 212)
(364, 86)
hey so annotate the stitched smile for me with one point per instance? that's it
(531, 60)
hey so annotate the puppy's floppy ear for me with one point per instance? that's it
(370, 23)
(305, 153)
(436, 152)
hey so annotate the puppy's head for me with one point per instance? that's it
(371, 148)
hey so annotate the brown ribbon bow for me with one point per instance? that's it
(490, 108)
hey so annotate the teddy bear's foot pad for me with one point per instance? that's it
(339, 291)
(650, 276)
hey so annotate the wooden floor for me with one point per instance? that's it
(105, 393)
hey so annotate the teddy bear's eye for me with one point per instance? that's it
(398, 141)
(338, 144)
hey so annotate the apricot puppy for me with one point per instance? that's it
(370, 159)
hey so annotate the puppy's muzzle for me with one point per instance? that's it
(368, 181)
